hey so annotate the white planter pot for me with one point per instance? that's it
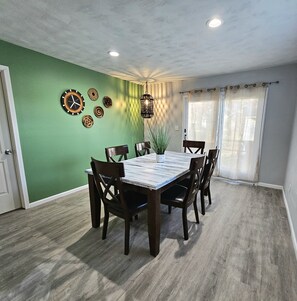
(160, 158)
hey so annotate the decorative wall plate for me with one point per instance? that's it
(88, 121)
(93, 94)
(107, 102)
(72, 102)
(98, 111)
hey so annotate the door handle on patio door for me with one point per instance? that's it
(8, 152)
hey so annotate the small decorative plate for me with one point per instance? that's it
(88, 121)
(99, 112)
(107, 102)
(93, 94)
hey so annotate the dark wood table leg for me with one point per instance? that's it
(154, 221)
(95, 203)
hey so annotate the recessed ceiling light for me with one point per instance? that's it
(113, 53)
(214, 22)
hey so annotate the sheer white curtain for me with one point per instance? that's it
(203, 108)
(231, 119)
(241, 133)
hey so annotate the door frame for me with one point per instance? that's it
(14, 135)
(185, 101)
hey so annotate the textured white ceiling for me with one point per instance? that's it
(163, 40)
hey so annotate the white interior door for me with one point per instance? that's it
(9, 192)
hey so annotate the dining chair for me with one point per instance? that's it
(193, 146)
(120, 152)
(182, 197)
(142, 148)
(122, 203)
(209, 167)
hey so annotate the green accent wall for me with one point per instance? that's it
(56, 146)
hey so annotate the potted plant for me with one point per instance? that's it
(159, 137)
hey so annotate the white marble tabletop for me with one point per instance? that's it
(145, 172)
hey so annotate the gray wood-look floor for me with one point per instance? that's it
(241, 250)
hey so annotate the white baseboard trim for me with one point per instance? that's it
(293, 235)
(232, 182)
(237, 182)
(56, 196)
(279, 187)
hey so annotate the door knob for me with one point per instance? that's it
(8, 152)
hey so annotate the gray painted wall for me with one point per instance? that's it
(279, 117)
(279, 159)
(290, 185)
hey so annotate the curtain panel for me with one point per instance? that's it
(203, 109)
(232, 120)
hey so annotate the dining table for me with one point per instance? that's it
(145, 175)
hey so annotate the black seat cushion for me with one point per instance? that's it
(174, 195)
(135, 201)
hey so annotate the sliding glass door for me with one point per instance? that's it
(232, 120)
(202, 123)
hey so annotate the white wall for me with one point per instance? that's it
(279, 118)
(290, 186)
(168, 111)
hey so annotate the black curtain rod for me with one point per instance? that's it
(263, 84)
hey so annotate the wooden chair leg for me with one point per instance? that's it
(196, 211)
(209, 196)
(169, 209)
(127, 235)
(202, 202)
(135, 217)
(105, 223)
(185, 224)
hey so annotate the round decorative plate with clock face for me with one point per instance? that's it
(72, 102)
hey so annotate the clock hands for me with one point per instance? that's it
(73, 102)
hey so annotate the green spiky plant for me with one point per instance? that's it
(159, 137)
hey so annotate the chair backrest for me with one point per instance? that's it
(107, 175)
(142, 148)
(209, 167)
(194, 147)
(196, 171)
(121, 151)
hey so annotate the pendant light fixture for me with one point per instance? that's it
(147, 104)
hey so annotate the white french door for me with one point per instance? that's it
(241, 133)
(202, 117)
(232, 120)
